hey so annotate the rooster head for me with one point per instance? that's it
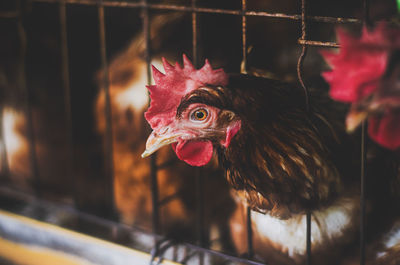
(366, 73)
(181, 112)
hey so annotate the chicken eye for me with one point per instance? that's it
(199, 115)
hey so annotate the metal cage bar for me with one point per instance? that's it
(205, 10)
(27, 101)
(366, 22)
(362, 193)
(153, 159)
(199, 178)
(243, 69)
(109, 163)
(67, 95)
(5, 165)
(300, 65)
(5, 169)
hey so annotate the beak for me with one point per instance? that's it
(354, 119)
(156, 141)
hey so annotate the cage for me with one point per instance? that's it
(73, 76)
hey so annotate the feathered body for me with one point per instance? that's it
(284, 160)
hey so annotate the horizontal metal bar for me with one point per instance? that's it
(318, 43)
(204, 10)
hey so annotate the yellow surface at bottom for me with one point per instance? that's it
(24, 255)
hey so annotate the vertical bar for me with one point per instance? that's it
(194, 36)
(28, 106)
(303, 53)
(366, 17)
(243, 70)
(153, 159)
(308, 237)
(109, 163)
(362, 194)
(366, 22)
(199, 184)
(201, 231)
(244, 39)
(3, 147)
(300, 64)
(67, 95)
(250, 249)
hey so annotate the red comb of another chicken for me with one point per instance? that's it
(360, 63)
(177, 81)
(358, 69)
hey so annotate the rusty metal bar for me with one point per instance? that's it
(153, 158)
(366, 17)
(303, 54)
(109, 163)
(244, 38)
(155, 198)
(318, 43)
(199, 176)
(362, 193)
(206, 10)
(5, 169)
(201, 231)
(308, 237)
(195, 53)
(28, 106)
(250, 248)
(67, 96)
(366, 22)
(300, 64)
(243, 69)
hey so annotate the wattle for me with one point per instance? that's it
(195, 153)
(385, 130)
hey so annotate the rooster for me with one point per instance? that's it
(259, 129)
(283, 159)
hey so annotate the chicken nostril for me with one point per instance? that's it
(165, 130)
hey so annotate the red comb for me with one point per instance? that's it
(177, 81)
(360, 63)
